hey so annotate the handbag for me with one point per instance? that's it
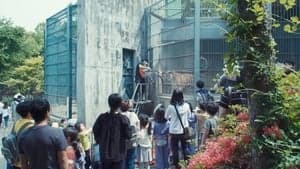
(187, 131)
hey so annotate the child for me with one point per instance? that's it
(75, 151)
(160, 134)
(210, 124)
(144, 142)
(192, 119)
(203, 95)
(84, 139)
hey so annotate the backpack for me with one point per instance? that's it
(133, 137)
(204, 97)
(10, 148)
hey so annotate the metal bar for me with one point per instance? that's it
(197, 42)
(157, 4)
(45, 55)
(69, 34)
(54, 32)
(56, 42)
(55, 95)
(157, 16)
(170, 43)
(58, 63)
(56, 74)
(57, 53)
(174, 57)
(172, 29)
(58, 14)
(166, 17)
(57, 85)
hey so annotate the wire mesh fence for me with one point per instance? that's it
(60, 60)
(171, 39)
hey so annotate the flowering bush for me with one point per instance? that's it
(231, 147)
(243, 116)
(216, 153)
(273, 131)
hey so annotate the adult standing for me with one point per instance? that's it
(178, 111)
(42, 146)
(5, 113)
(135, 127)
(140, 79)
(111, 131)
(21, 125)
(228, 84)
(1, 115)
(18, 98)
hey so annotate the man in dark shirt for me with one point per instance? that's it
(41, 146)
(111, 131)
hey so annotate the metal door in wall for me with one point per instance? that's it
(128, 73)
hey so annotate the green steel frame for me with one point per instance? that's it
(60, 58)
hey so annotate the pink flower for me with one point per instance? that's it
(216, 153)
(272, 131)
(246, 139)
(243, 116)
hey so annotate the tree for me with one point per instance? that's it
(250, 26)
(28, 77)
(16, 45)
(11, 39)
(39, 37)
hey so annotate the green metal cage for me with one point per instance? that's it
(60, 60)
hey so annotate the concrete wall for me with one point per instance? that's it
(105, 27)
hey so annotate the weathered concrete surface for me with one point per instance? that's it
(105, 27)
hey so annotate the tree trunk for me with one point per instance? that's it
(255, 76)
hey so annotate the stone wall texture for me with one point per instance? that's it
(105, 27)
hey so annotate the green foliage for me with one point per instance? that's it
(274, 96)
(227, 124)
(17, 47)
(288, 4)
(27, 78)
(11, 39)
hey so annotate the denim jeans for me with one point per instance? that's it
(6, 121)
(130, 159)
(9, 166)
(162, 156)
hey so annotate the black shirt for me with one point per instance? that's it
(111, 131)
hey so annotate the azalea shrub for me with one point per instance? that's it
(281, 126)
(230, 148)
(216, 153)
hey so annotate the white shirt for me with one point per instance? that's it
(1, 107)
(5, 112)
(133, 119)
(144, 139)
(175, 125)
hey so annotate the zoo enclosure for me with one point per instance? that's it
(60, 61)
(185, 43)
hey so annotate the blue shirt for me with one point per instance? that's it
(160, 131)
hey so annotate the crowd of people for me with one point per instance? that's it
(124, 139)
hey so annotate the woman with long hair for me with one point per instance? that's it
(177, 112)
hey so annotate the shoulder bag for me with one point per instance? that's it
(188, 132)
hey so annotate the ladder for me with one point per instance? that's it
(140, 96)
